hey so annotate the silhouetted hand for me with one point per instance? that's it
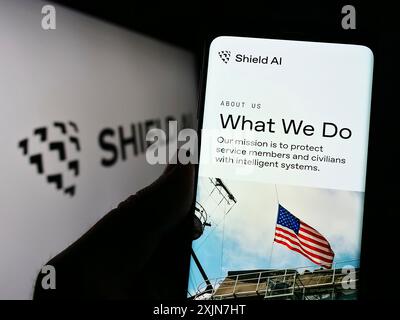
(138, 250)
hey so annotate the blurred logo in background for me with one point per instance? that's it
(53, 152)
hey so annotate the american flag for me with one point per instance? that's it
(298, 236)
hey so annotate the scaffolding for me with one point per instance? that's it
(218, 201)
(288, 284)
(218, 196)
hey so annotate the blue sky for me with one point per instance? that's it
(248, 229)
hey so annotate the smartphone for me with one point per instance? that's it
(281, 177)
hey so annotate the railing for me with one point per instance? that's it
(278, 283)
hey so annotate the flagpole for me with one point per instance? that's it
(270, 255)
(273, 241)
(276, 192)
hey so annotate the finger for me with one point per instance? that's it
(166, 201)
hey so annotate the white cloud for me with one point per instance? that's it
(249, 227)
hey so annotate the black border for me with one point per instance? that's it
(361, 39)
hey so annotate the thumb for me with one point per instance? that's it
(167, 200)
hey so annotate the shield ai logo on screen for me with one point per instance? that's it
(53, 152)
(225, 55)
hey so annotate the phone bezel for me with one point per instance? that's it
(296, 36)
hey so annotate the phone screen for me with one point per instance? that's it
(281, 177)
